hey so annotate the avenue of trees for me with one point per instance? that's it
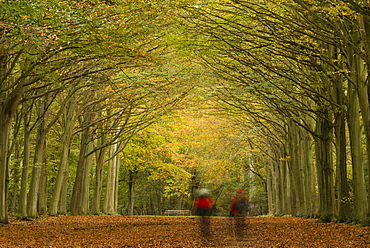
(130, 106)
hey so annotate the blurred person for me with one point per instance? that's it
(239, 210)
(204, 205)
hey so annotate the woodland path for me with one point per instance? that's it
(121, 231)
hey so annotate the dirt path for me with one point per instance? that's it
(120, 231)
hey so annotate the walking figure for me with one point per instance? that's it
(204, 205)
(239, 210)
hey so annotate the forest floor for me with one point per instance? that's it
(121, 231)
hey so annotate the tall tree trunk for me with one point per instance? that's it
(131, 192)
(108, 207)
(307, 171)
(26, 113)
(100, 159)
(116, 183)
(362, 71)
(271, 193)
(16, 175)
(344, 211)
(86, 182)
(285, 185)
(359, 188)
(43, 129)
(356, 36)
(366, 104)
(325, 170)
(108, 187)
(81, 168)
(62, 208)
(7, 112)
(69, 121)
(280, 182)
(4, 169)
(297, 173)
(42, 199)
(292, 163)
(36, 176)
(37, 198)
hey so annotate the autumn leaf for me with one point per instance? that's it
(122, 231)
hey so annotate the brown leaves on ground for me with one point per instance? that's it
(120, 231)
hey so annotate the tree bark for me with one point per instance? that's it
(110, 194)
(7, 112)
(75, 207)
(100, 159)
(62, 175)
(32, 210)
(271, 193)
(325, 170)
(131, 194)
(344, 211)
(22, 212)
(43, 129)
(359, 188)
(16, 175)
(38, 166)
(308, 172)
(84, 208)
(363, 73)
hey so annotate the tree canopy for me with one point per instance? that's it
(132, 106)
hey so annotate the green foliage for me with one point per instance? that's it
(127, 64)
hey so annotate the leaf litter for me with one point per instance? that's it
(140, 231)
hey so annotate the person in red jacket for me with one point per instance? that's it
(239, 210)
(204, 204)
(239, 205)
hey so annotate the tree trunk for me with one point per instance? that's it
(69, 121)
(357, 46)
(26, 162)
(81, 169)
(16, 175)
(297, 173)
(307, 170)
(116, 182)
(43, 129)
(365, 104)
(38, 166)
(131, 192)
(271, 193)
(325, 170)
(280, 185)
(100, 159)
(109, 201)
(7, 112)
(36, 176)
(344, 211)
(359, 188)
(62, 208)
(4, 169)
(86, 182)
(43, 194)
